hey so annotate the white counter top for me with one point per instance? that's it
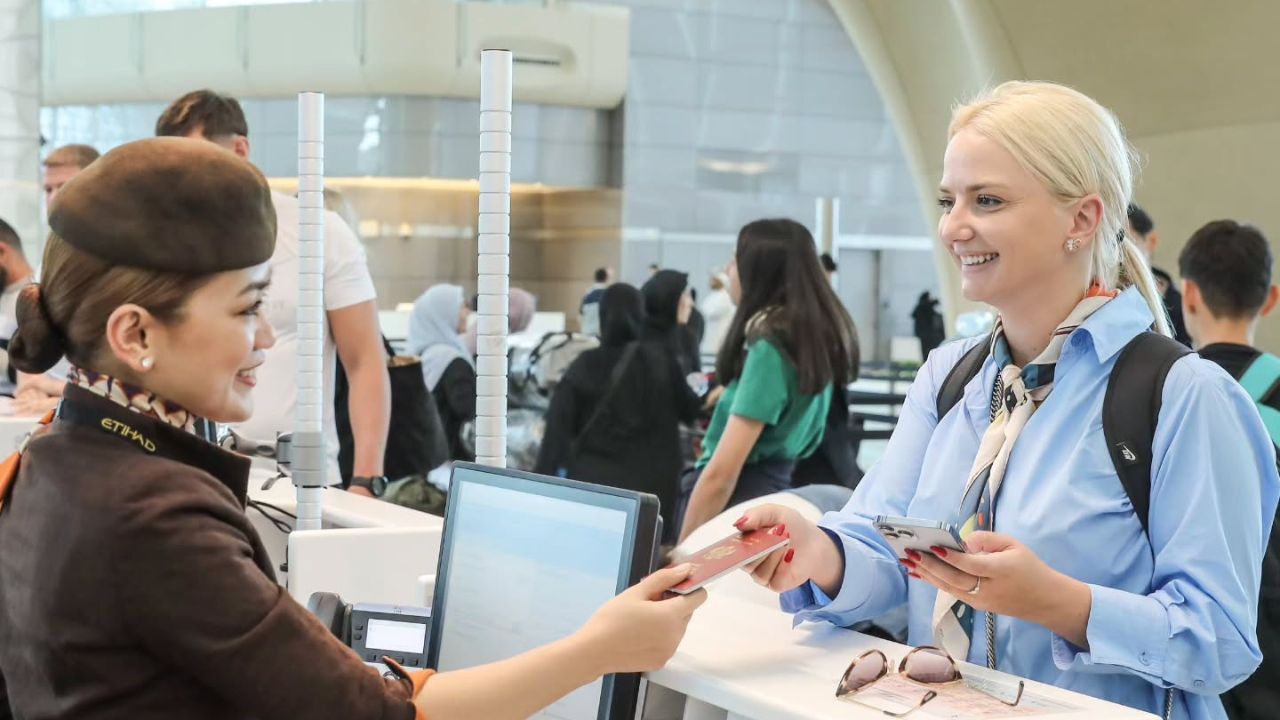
(746, 659)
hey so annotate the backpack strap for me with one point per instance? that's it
(966, 369)
(1130, 410)
(1262, 377)
(1261, 380)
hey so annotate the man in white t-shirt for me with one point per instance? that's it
(349, 300)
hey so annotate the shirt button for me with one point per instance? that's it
(1198, 683)
(1142, 657)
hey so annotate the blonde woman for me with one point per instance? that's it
(1061, 584)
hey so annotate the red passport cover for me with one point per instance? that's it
(729, 554)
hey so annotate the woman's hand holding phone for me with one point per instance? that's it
(1014, 582)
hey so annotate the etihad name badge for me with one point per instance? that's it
(116, 427)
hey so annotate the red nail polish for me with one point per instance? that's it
(739, 521)
(782, 529)
(790, 554)
(908, 564)
(912, 574)
(939, 551)
(913, 555)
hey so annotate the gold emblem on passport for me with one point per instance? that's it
(720, 552)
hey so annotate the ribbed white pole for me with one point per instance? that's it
(307, 454)
(494, 259)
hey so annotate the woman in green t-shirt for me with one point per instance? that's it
(790, 343)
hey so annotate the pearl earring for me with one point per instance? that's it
(147, 362)
(1073, 244)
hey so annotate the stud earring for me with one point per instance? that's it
(147, 363)
(1073, 244)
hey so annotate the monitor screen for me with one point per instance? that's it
(525, 563)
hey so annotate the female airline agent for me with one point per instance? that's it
(131, 583)
(1035, 183)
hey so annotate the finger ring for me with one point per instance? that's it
(976, 587)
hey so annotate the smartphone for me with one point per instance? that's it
(717, 560)
(905, 534)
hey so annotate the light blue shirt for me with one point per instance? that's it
(1177, 611)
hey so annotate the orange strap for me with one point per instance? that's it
(9, 468)
(414, 680)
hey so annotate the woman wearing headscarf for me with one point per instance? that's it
(668, 304)
(435, 335)
(522, 305)
(615, 415)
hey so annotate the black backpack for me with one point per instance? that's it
(1130, 410)
(835, 462)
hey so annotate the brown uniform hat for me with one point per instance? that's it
(169, 204)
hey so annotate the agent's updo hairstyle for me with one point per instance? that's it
(67, 312)
(1074, 147)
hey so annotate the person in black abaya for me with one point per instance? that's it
(614, 417)
(669, 309)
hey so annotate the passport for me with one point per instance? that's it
(715, 561)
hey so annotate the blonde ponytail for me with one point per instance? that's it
(1134, 270)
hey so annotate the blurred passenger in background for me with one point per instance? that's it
(522, 305)
(38, 394)
(668, 305)
(790, 348)
(615, 415)
(1143, 231)
(928, 324)
(436, 325)
(717, 307)
(590, 307)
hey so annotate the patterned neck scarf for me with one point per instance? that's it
(1015, 397)
(135, 398)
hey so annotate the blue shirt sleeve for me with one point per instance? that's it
(1213, 499)
(874, 581)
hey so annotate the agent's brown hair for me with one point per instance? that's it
(67, 312)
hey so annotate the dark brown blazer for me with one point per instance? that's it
(132, 585)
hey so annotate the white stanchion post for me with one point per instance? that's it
(494, 260)
(307, 452)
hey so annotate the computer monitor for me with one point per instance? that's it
(525, 560)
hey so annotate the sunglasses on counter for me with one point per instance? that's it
(926, 665)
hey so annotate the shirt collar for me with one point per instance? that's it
(151, 436)
(1108, 330)
(1116, 323)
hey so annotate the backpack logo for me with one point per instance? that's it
(1129, 456)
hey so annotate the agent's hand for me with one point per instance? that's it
(810, 556)
(1014, 582)
(639, 630)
